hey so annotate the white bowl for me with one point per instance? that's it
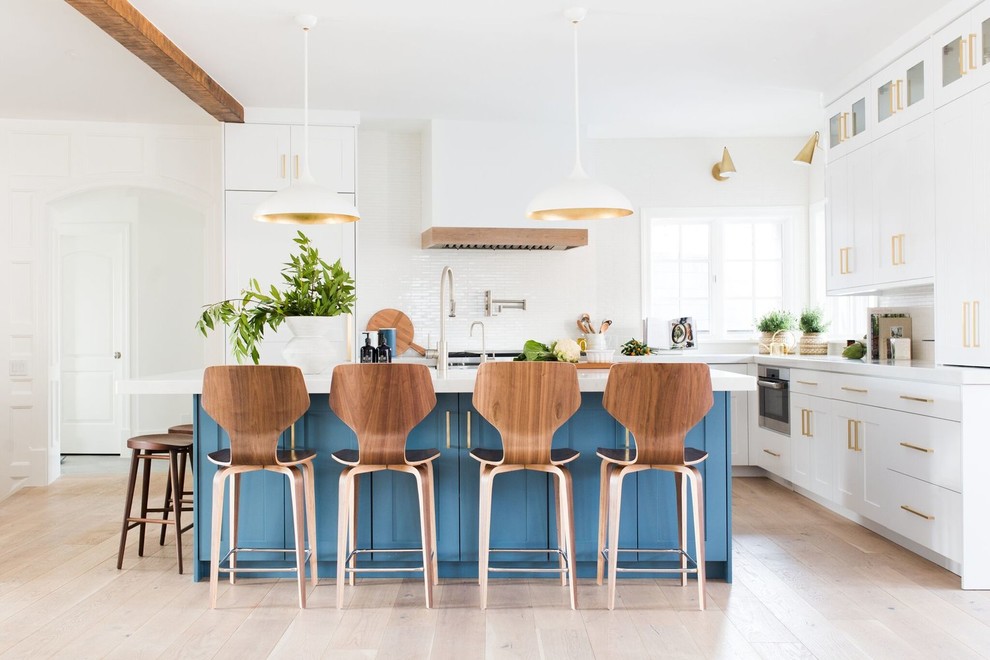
(597, 355)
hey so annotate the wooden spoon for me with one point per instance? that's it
(605, 326)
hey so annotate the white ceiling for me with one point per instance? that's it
(649, 67)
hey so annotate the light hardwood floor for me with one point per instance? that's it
(807, 584)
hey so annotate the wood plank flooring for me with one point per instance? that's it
(808, 584)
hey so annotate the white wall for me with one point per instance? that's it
(602, 279)
(42, 163)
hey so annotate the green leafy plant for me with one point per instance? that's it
(812, 320)
(562, 350)
(775, 321)
(311, 287)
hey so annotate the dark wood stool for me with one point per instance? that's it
(181, 429)
(169, 447)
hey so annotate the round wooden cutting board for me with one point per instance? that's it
(404, 331)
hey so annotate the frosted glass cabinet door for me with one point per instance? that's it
(849, 121)
(903, 90)
(962, 55)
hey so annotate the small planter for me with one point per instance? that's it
(813, 343)
(765, 340)
(318, 342)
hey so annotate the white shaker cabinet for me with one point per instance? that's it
(860, 468)
(903, 91)
(962, 55)
(962, 194)
(850, 226)
(903, 168)
(812, 453)
(270, 156)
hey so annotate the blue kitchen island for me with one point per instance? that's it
(523, 510)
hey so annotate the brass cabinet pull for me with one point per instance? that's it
(972, 51)
(900, 105)
(854, 389)
(627, 438)
(808, 382)
(858, 446)
(448, 429)
(965, 325)
(976, 324)
(296, 165)
(962, 56)
(917, 513)
(917, 448)
(893, 107)
(469, 429)
(282, 167)
(919, 399)
(849, 434)
(845, 125)
(804, 422)
(900, 249)
(893, 249)
(772, 453)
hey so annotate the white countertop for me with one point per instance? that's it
(457, 380)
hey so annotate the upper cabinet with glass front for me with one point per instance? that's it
(849, 122)
(962, 55)
(903, 91)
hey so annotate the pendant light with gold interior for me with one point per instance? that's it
(578, 197)
(305, 202)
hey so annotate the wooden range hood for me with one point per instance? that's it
(491, 238)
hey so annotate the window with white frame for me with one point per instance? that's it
(723, 267)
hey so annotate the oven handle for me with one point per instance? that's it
(771, 385)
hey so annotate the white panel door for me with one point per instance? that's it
(848, 456)
(331, 155)
(91, 336)
(256, 156)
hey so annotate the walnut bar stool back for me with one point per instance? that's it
(157, 447)
(382, 403)
(254, 405)
(526, 402)
(658, 404)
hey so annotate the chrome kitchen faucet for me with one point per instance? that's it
(446, 274)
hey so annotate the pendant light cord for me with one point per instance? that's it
(306, 100)
(577, 104)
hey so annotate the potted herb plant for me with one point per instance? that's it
(813, 327)
(771, 324)
(314, 301)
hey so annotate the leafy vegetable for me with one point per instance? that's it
(535, 351)
(634, 347)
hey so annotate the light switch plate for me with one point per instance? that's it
(18, 368)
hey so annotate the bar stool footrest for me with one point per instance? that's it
(260, 569)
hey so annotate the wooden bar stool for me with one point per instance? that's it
(254, 405)
(185, 430)
(148, 448)
(382, 403)
(658, 404)
(526, 402)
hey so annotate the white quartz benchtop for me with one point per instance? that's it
(457, 380)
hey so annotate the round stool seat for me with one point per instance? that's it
(182, 429)
(160, 442)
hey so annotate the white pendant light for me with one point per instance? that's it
(305, 202)
(578, 197)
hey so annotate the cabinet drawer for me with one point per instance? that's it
(815, 383)
(773, 453)
(926, 514)
(856, 389)
(925, 448)
(932, 399)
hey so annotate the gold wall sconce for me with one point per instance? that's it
(807, 153)
(725, 168)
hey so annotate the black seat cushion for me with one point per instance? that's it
(627, 455)
(413, 456)
(282, 456)
(494, 456)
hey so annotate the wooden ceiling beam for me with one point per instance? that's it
(133, 31)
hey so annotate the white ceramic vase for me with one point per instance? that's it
(318, 342)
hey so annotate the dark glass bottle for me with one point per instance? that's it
(384, 350)
(369, 353)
